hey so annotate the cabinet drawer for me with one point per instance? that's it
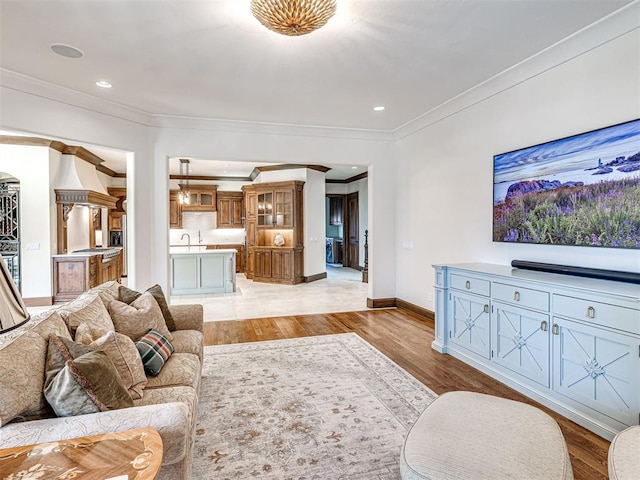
(471, 285)
(620, 318)
(525, 297)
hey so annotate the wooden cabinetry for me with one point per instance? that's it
(335, 209)
(230, 210)
(202, 198)
(115, 215)
(570, 343)
(274, 209)
(175, 209)
(74, 274)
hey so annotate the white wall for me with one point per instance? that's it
(445, 170)
(314, 230)
(37, 213)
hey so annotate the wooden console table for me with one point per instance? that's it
(131, 454)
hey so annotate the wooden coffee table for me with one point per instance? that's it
(128, 455)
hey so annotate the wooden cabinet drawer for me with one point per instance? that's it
(525, 297)
(471, 285)
(620, 318)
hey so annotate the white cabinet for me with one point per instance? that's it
(570, 343)
(205, 271)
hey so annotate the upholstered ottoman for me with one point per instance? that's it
(624, 455)
(466, 435)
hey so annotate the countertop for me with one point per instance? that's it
(199, 249)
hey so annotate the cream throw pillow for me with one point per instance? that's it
(123, 353)
(136, 319)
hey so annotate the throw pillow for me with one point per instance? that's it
(123, 353)
(87, 309)
(136, 319)
(155, 350)
(128, 295)
(87, 382)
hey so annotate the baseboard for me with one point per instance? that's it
(381, 302)
(423, 312)
(313, 278)
(428, 315)
(38, 301)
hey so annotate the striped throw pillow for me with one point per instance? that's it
(155, 350)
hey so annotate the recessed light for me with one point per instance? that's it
(103, 84)
(379, 108)
(66, 50)
(354, 168)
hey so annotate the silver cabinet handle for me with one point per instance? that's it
(555, 329)
(486, 309)
(467, 284)
(544, 326)
(591, 312)
(516, 296)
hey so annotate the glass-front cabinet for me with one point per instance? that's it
(265, 209)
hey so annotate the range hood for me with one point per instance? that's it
(77, 183)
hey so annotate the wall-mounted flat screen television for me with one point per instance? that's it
(581, 190)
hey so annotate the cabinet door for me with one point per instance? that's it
(265, 209)
(237, 213)
(251, 204)
(521, 341)
(211, 271)
(470, 325)
(184, 272)
(597, 368)
(283, 208)
(276, 264)
(115, 223)
(262, 266)
(224, 213)
(175, 211)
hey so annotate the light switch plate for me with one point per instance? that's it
(406, 245)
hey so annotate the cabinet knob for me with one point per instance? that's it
(555, 329)
(591, 312)
(544, 326)
(467, 284)
(486, 309)
(516, 296)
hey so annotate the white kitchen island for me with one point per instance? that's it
(196, 270)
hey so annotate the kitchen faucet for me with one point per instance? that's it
(188, 239)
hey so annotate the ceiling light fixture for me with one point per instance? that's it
(379, 108)
(103, 84)
(184, 196)
(293, 17)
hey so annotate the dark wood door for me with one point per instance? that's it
(351, 235)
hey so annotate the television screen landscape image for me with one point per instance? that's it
(582, 190)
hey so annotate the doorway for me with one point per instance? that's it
(352, 232)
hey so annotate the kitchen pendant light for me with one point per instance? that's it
(293, 17)
(185, 195)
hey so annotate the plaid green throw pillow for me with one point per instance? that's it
(155, 350)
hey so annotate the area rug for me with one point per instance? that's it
(326, 407)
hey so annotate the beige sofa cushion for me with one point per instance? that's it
(180, 369)
(136, 319)
(23, 365)
(188, 341)
(122, 352)
(89, 309)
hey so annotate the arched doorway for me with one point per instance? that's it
(10, 225)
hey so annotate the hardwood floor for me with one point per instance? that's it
(406, 338)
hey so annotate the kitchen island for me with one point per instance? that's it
(196, 270)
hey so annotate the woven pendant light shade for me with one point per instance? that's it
(293, 17)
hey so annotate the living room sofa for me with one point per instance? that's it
(168, 404)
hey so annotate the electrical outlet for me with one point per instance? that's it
(407, 245)
(33, 246)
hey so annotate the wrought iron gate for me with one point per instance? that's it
(10, 228)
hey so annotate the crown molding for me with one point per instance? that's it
(605, 30)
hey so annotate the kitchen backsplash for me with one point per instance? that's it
(216, 236)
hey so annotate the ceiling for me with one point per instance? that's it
(212, 59)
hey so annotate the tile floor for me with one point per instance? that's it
(341, 291)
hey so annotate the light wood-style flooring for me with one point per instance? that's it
(406, 338)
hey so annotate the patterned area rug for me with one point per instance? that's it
(326, 407)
